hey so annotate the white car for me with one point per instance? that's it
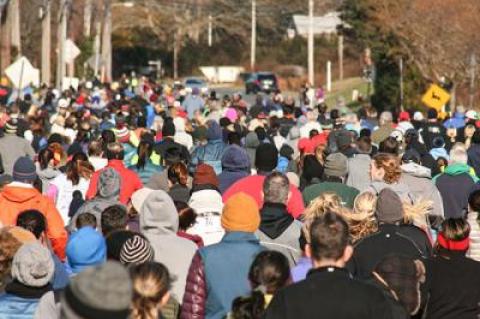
(191, 83)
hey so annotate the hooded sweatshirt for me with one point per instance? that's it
(251, 144)
(419, 180)
(18, 197)
(108, 192)
(235, 165)
(455, 184)
(159, 224)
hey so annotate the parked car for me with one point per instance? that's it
(261, 82)
(191, 83)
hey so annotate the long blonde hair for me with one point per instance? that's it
(151, 282)
(325, 202)
(362, 220)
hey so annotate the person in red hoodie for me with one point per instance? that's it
(129, 180)
(266, 158)
(20, 195)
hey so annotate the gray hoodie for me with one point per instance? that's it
(251, 144)
(159, 224)
(419, 180)
(108, 192)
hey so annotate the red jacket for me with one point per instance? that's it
(129, 181)
(253, 186)
(14, 200)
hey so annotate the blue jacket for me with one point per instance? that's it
(227, 178)
(15, 307)
(457, 121)
(210, 154)
(147, 171)
(226, 267)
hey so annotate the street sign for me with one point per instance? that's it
(71, 51)
(436, 97)
(21, 73)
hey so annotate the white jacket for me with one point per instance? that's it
(474, 250)
(208, 205)
(64, 193)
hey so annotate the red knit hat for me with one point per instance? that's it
(205, 174)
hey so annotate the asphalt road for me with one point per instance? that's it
(250, 99)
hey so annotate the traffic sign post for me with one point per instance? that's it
(436, 97)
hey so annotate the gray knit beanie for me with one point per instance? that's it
(389, 208)
(33, 265)
(103, 291)
(336, 165)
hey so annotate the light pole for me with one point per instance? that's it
(62, 38)
(311, 74)
(253, 39)
(45, 15)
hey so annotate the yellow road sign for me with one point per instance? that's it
(436, 97)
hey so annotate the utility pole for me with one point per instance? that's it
(253, 40)
(175, 41)
(340, 56)
(210, 30)
(311, 74)
(98, 31)
(46, 41)
(473, 69)
(87, 18)
(400, 65)
(4, 37)
(62, 37)
(107, 43)
(14, 15)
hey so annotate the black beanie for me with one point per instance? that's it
(432, 114)
(168, 128)
(266, 157)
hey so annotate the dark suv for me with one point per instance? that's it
(261, 82)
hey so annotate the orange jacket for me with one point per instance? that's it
(14, 200)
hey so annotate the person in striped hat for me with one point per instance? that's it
(136, 250)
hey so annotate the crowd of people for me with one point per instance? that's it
(144, 201)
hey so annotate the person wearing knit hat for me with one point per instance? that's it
(86, 247)
(393, 237)
(100, 292)
(11, 126)
(215, 264)
(335, 171)
(24, 170)
(241, 213)
(207, 202)
(32, 270)
(457, 296)
(266, 158)
(136, 250)
(389, 207)
(20, 195)
(205, 175)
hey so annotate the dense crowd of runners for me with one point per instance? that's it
(140, 200)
